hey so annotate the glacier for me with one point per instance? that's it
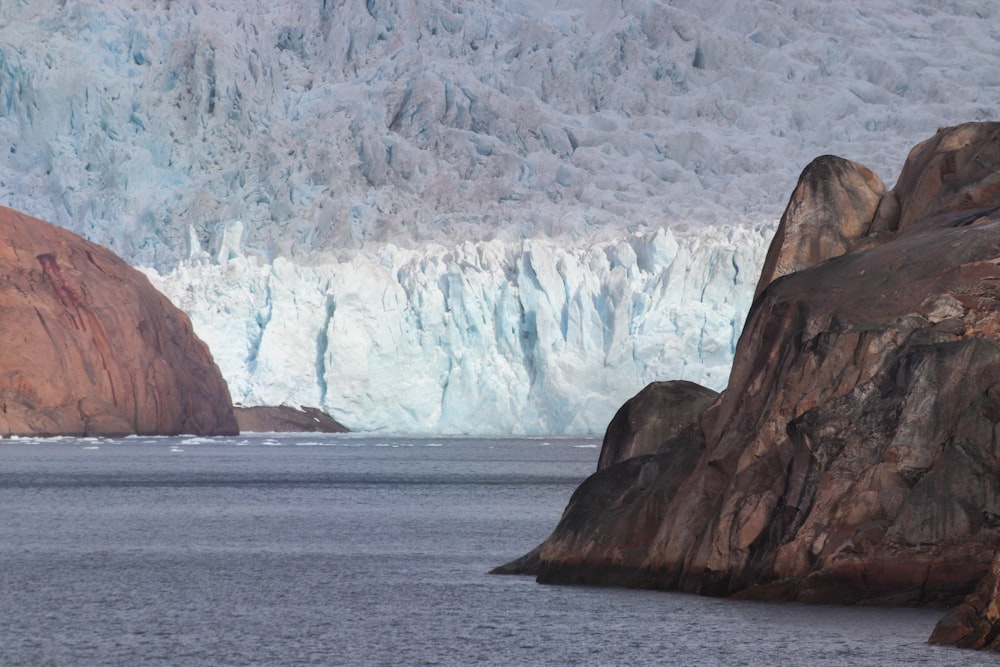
(464, 217)
(479, 337)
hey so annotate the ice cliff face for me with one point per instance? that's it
(439, 148)
(478, 338)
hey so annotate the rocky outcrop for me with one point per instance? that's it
(829, 214)
(285, 419)
(852, 457)
(89, 347)
(611, 523)
(976, 622)
(652, 418)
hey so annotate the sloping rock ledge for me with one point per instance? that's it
(853, 457)
(285, 419)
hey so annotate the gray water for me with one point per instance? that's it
(356, 550)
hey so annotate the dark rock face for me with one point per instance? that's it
(650, 445)
(852, 458)
(976, 622)
(286, 419)
(611, 523)
(653, 417)
(89, 347)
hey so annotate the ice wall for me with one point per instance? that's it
(490, 337)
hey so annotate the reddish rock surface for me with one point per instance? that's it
(285, 419)
(89, 347)
(976, 622)
(853, 456)
(652, 418)
(830, 213)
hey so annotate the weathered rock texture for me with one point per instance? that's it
(976, 622)
(285, 419)
(853, 456)
(829, 214)
(653, 417)
(89, 347)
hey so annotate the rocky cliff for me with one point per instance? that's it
(88, 347)
(853, 456)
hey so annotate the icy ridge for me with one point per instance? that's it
(487, 337)
(336, 123)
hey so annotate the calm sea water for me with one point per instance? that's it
(356, 550)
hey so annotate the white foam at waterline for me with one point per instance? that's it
(37, 440)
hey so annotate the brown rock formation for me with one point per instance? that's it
(653, 417)
(852, 458)
(285, 419)
(976, 622)
(89, 347)
(954, 171)
(829, 214)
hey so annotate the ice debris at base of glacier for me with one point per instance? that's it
(489, 337)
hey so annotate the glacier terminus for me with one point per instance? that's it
(464, 217)
(484, 337)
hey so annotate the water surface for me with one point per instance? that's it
(356, 550)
